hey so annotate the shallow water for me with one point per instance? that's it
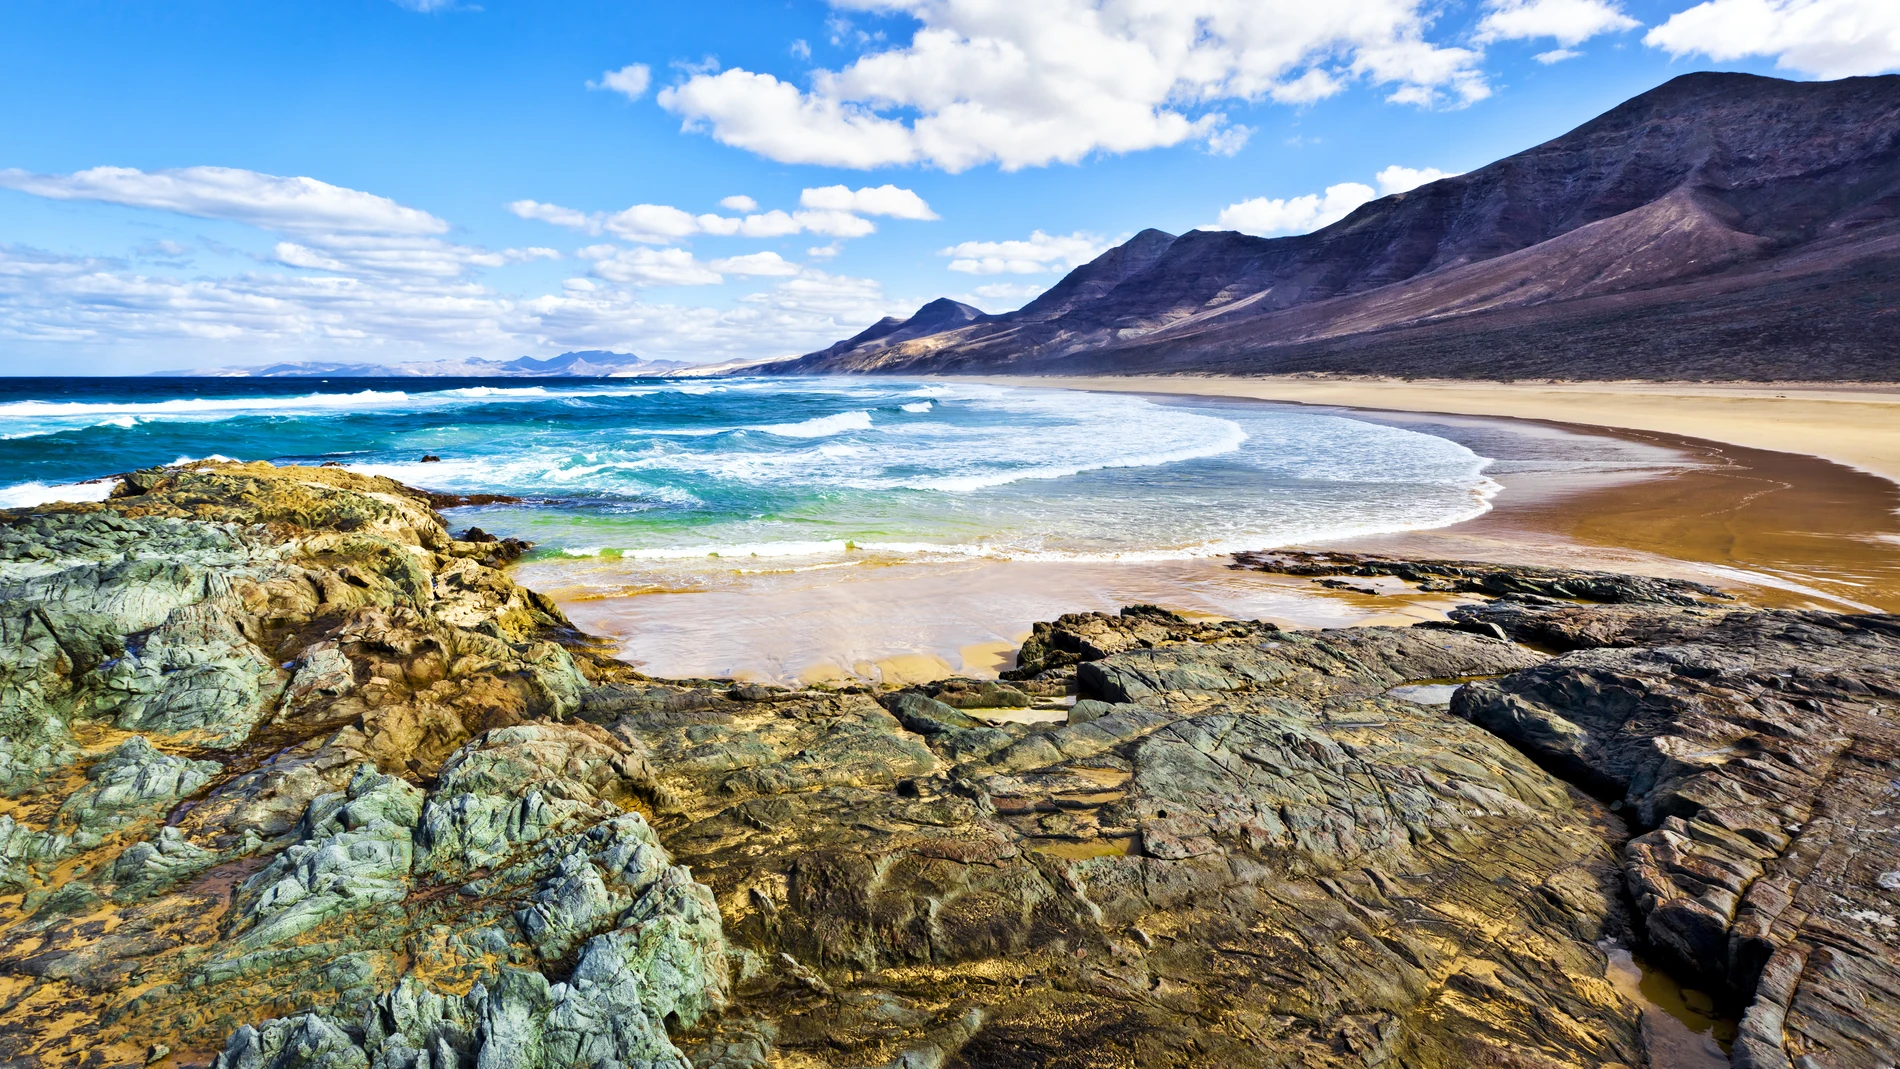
(1681, 1026)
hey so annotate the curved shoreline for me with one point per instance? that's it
(1856, 426)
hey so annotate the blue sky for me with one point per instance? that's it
(212, 183)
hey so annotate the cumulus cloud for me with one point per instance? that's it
(755, 264)
(649, 267)
(739, 203)
(1397, 179)
(1264, 216)
(630, 81)
(1556, 55)
(1570, 22)
(1824, 38)
(663, 224)
(1041, 252)
(1028, 85)
(327, 227)
(879, 200)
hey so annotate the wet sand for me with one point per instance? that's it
(1777, 528)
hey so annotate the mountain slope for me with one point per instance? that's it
(1680, 201)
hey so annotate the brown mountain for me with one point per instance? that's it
(1720, 226)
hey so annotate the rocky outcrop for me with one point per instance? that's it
(1758, 752)
(293, 778)
(277, 749)
(1483, 577)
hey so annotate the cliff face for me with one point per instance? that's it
(1694, 198)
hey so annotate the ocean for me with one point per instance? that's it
(654, 485)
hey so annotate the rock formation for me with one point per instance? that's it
(293, 778)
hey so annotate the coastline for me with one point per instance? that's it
(1857, 426)
(1582, 497)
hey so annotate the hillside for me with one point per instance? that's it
(1721, 226)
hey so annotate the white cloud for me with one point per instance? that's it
(76, 301)
(739, 202)
(1397, 179)
(1263, 217)
(757, 264)
(289, 205)
(1229, 140)
(1026, 85)
(1041, 252)
(650, 267)
(663, 224)
(1571, 22)
(1824, 38)
(1556, 55)
(801, 49)
(330, 228)
(996, 297)
(870, 200)
(426, 6)
(630, 81)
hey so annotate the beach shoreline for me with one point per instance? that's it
(1780, 529)
(1854, 425)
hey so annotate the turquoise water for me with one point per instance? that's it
(806, 472)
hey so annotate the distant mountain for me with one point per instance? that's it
(1721, 226)
(591, 363)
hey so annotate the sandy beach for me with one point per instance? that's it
(1858, 426)
(1780, 528)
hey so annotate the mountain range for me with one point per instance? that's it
(590, 363)
(1720, 226)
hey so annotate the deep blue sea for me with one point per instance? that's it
(802, 469)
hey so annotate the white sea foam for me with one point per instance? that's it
(820, 426)
(199, 405)
(26, 495)
(918, 406)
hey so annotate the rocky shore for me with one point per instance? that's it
(292, 777)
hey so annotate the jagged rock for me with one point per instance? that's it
(1483, 577)
(1262, 802)
(977, 694)
(1757, 751)
(323, 671)
(354, 853)
(131, 783)
(1090, 636)
(25, 850)
(166, 859)
(305, 1042)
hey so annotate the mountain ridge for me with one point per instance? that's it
(1666, 211)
